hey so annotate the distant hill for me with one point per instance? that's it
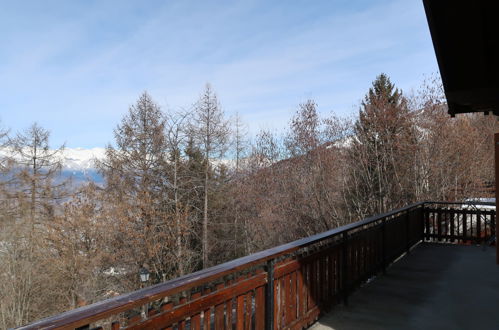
(79, 177)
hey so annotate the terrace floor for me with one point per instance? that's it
(436, 286)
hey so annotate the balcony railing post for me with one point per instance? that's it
(425, 226)
(383, 245)
(269, 296)
(344, 268)
(407, 232)
(478, 227)
(493, 225)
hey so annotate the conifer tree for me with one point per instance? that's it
(383, 141)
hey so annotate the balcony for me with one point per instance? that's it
(409, 268)
(437, 286)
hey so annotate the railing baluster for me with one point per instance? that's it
(219, 311)
(206, 312)
(383, 245)
(493, 225)
(465, 225)
(322, 292)
(426, 230)
(452, 233)
(196, 318)
(407, 232)
(269, 296)
(439, 225)
(259, 309)
(478, 227)
(344, 268)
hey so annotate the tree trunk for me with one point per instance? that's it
(180, 261)
(205, 217)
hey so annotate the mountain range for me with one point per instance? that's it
(79, 164)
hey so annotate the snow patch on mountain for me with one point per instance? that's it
(79, 164)
(81, 159)
(78, 159)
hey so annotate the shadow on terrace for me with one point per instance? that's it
(409, 268)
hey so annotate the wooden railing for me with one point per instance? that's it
(470, 223)
(288, 286)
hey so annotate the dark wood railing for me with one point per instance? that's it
(470, 223)
(288, 286)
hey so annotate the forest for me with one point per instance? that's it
(186, 190)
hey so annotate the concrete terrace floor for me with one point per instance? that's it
(436, 286)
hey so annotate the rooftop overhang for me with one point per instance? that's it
(465, 36)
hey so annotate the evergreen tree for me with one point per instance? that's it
(383, 141)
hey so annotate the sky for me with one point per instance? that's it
(75, 67)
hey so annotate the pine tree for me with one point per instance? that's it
(383, 140)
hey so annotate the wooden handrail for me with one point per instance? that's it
(103, 309)
(462, 203)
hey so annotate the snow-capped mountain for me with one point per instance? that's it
(79, 164)
(80, 159)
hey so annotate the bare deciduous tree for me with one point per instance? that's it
(135, 186)
(211, 131)
(38, 167)
(34, 195)
(179, 184)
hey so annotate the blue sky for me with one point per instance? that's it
(76, 66)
